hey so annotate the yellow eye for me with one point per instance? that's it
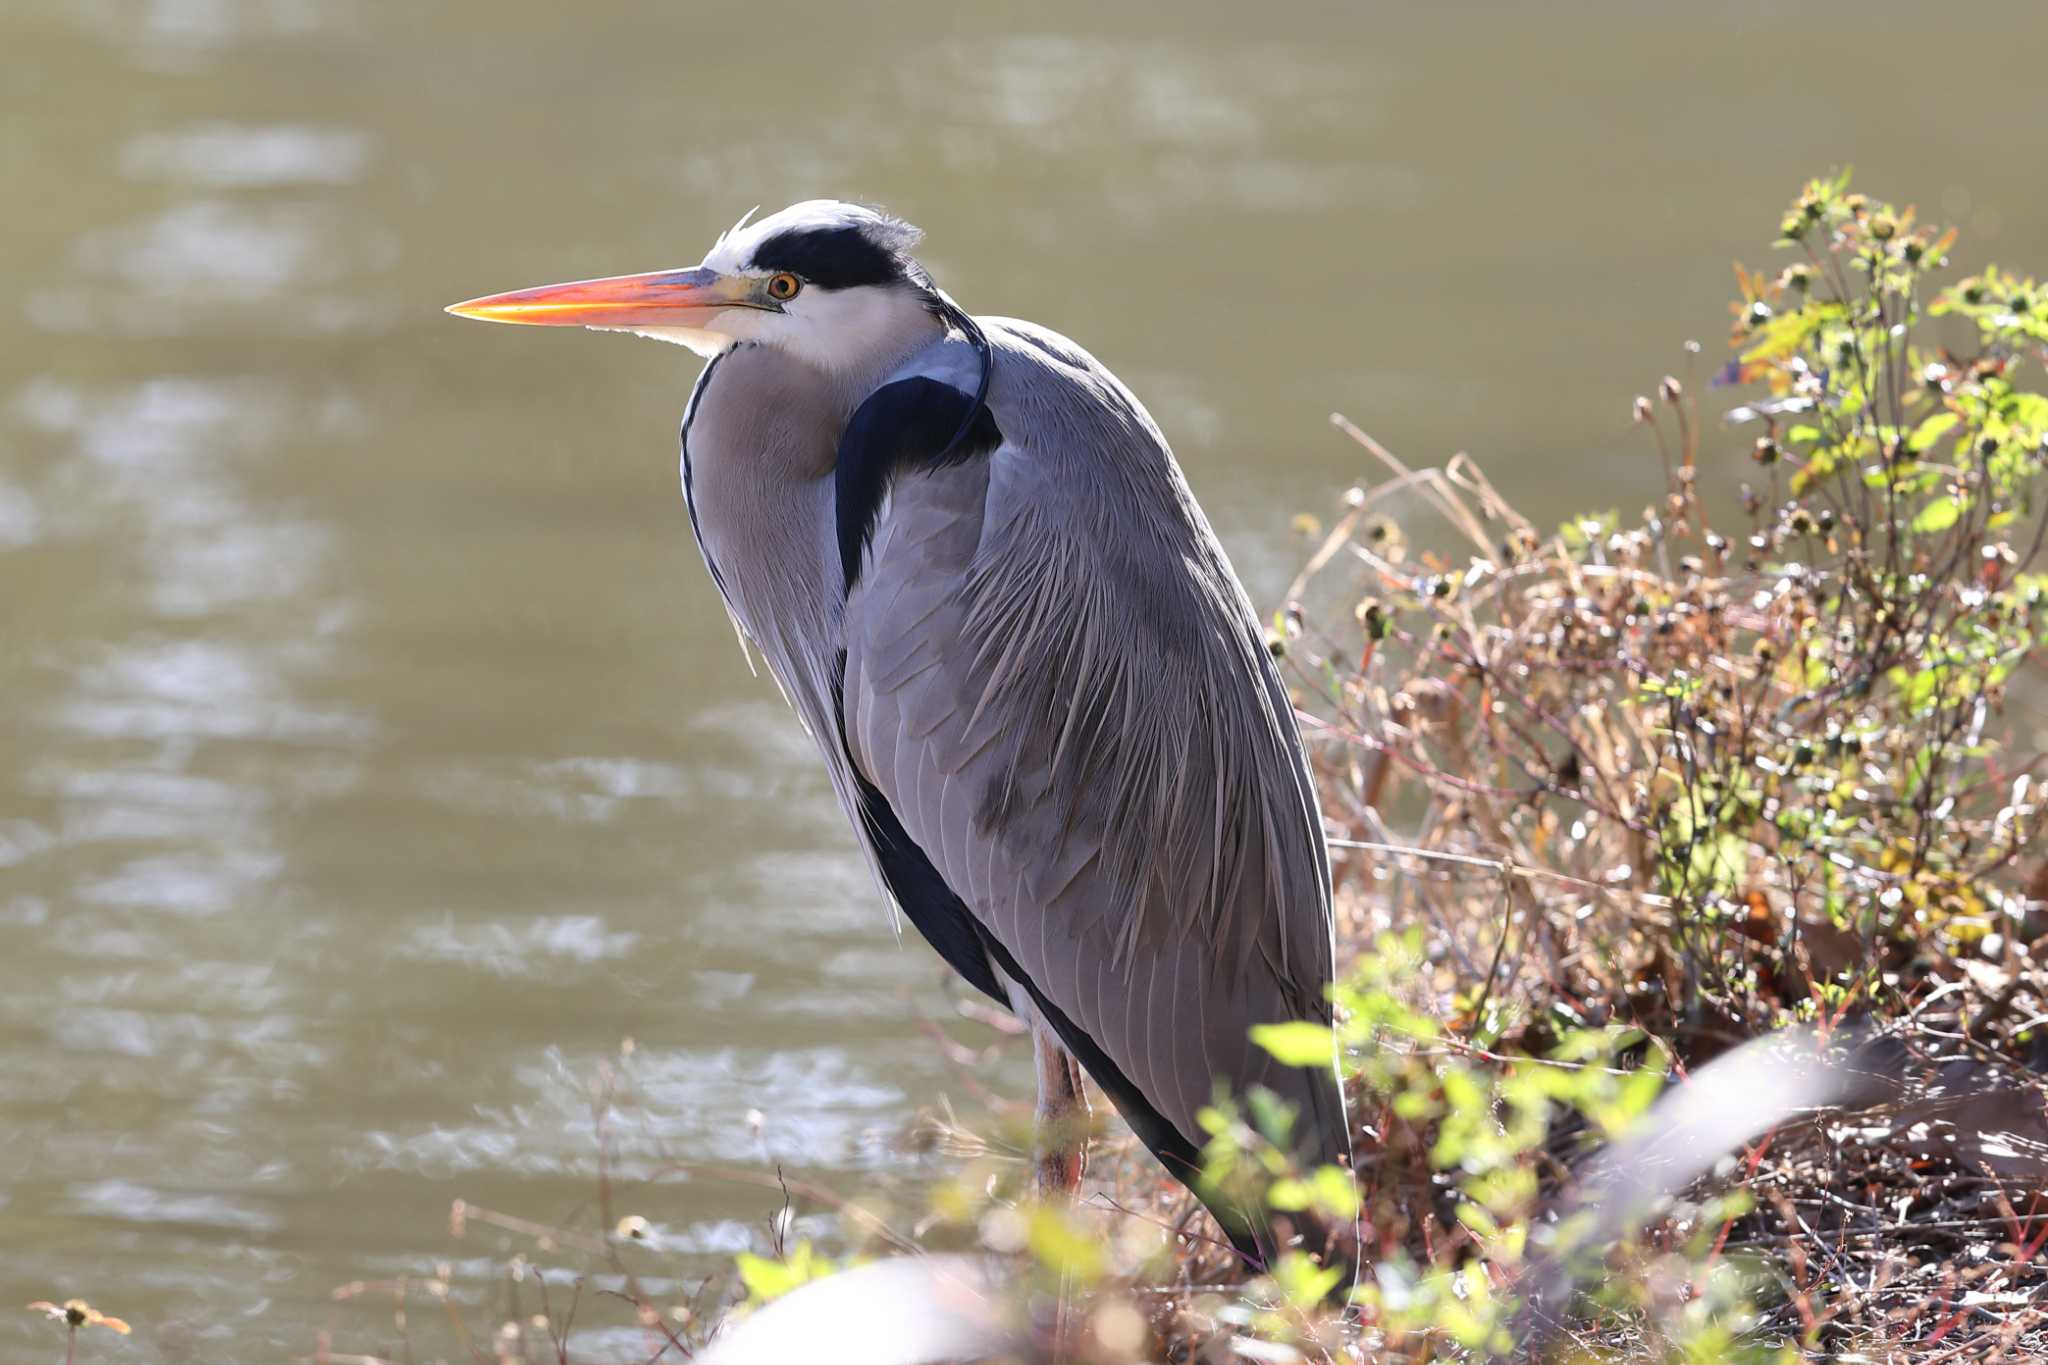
(783, 287)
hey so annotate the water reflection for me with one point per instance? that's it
(129, 1202)
(178, 34)
(249, 156)
(199, 266)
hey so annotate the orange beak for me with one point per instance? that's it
(661, 298)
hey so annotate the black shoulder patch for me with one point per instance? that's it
(910, 424)
(832, 257)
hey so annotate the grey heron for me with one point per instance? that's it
(970, 560)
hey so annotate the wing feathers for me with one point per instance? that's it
(1055, 684)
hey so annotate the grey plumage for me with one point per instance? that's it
(1055, 680)
(1044, 684)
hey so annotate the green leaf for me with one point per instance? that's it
(1305, 1283)
(1938, 515)
(1062, 1247)
(2028, 409)
(1930, 431)
(1290, 1195)
(766, 1278)
(1297, 1043)
(1336, 1191)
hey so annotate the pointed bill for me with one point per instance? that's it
(660, 298)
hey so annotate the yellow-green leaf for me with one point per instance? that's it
(1062, 1247)
(1297, 1043)
(767, 1278)
(1938, 515)
(1305, 1283)
(1930, 431)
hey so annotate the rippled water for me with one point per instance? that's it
(375, 755)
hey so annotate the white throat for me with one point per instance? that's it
(706, 344)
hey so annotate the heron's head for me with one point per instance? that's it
(830, 282)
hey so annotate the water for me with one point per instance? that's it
(375, 755)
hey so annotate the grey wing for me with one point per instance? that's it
(1055, 685)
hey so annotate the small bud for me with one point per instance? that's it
(1642, 410)
(1670, 390)
(1374, 618)
(1883, 226)
(1765, 451)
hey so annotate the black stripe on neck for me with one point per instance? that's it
(909, 425)
(689, 491)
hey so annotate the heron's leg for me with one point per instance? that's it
(1062, 1115)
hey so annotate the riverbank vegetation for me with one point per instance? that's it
(1605, 800)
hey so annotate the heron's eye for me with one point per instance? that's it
(783, 287)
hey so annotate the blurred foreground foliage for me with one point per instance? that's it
(1605, 801)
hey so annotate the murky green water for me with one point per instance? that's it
(375, 755)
